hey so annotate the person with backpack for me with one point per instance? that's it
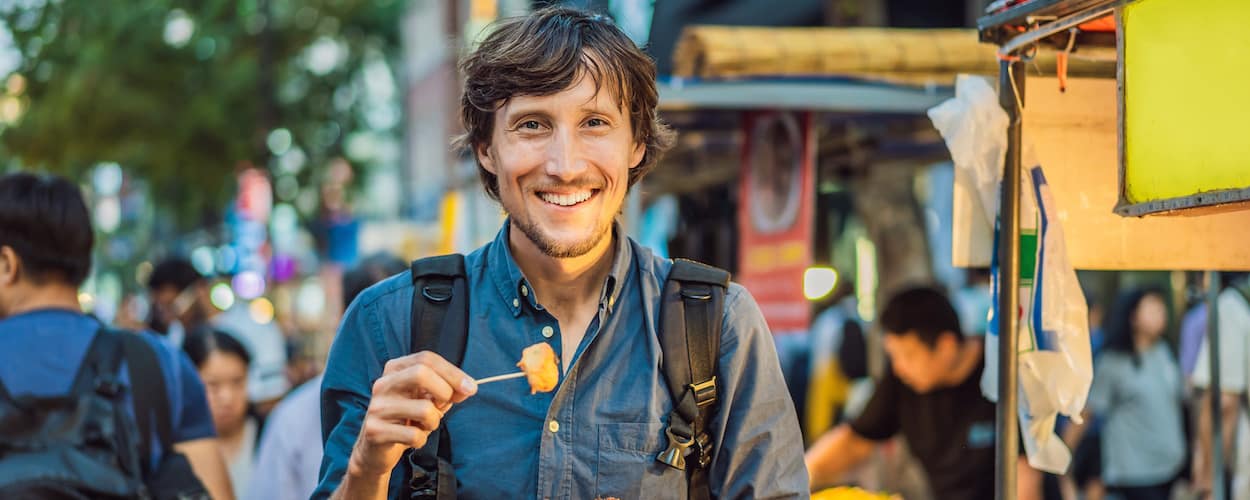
(86, 411)
(669, 384)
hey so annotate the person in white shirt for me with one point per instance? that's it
(1233, 329)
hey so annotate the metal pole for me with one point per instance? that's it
(1010, 97)
(1213, 351)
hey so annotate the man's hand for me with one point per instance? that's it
(835, 454)
(407, 404)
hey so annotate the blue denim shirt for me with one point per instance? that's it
(598, 433)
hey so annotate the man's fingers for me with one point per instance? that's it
(425, 373)
(399, 364)
(456, 378)
(418, 412)
(418, 381)
(379, 432)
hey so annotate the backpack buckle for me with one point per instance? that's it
(704, 443)
(697, 292)
(422, 484)
(435, 293)
(675, 455)
(704, 392)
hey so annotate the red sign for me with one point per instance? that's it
(775, 216)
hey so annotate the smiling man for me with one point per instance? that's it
(560, 113)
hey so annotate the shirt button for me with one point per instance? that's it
(516, 303)
(525, 291)
(548, 331)
(553, 426)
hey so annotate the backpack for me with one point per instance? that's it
(84, 444)
(690, 326)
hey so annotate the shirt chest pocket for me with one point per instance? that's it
(626, 467)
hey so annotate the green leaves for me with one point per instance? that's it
(181, 93)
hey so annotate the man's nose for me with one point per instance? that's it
(564, 156)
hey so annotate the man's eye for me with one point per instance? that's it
(530, 125)
(596, 122)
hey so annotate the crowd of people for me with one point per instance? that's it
(1146, 432)
(670, 383)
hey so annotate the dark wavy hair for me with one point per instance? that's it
(44, 219)
(546, 52)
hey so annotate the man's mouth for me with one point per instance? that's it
(567, 199)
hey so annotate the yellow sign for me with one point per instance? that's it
(1185, 109)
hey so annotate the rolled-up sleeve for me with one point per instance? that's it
(759, 453)
(355, 362)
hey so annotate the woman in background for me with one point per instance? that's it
(223, 362)
(1137, 396)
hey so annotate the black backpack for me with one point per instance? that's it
(694, 296)
(84, 444)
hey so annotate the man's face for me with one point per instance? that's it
(562, 162)
(170, 304)
(920, 367)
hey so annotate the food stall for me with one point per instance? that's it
(1165, 138)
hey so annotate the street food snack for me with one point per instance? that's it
(850, 493)
(541, 367)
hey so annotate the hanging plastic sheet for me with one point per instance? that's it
(1054, 351)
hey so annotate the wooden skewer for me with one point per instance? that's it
(497, 378)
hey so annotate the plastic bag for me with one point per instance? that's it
(973, 126)
(1055, 366)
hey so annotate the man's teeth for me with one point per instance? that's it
(565, 200)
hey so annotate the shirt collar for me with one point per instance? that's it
(515, 290)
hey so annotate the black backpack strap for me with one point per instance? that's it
(5, 396)
(151, 397)
(440, 323)
(690, 329)
(100, 372)
(99, 365)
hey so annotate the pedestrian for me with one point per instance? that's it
(289, 457)
(1138, 391)
(1233, 328)
(182, 303)
(62, 377)
(223, 362)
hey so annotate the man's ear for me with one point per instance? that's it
(635, 157)
(10, 266)
(484, 158)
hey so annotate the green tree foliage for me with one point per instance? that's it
(183, 92)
